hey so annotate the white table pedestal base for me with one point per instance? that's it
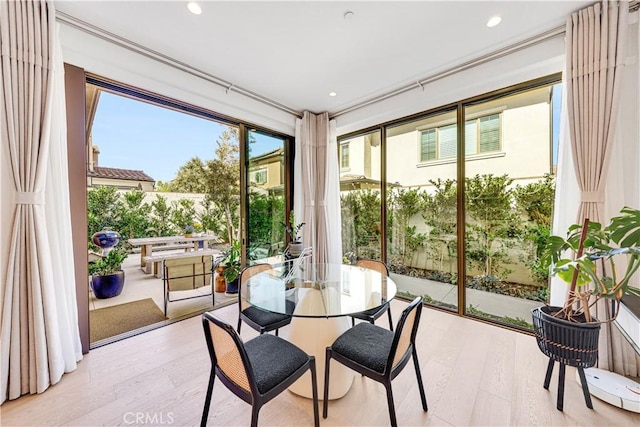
(313, 336)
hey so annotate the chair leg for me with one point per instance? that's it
(547, 378)
(165, 305)
(423, 397)
(390, 319)
(207, 400)
(239, 324)
(276, 332)
(255, 409)
(585, 388)
(326, 383)
(314, 387)
(392, 409)
(353, 322)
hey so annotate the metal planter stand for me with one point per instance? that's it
(568, 343)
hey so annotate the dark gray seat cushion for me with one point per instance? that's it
(273, 360)
(367, 344)
(262, 317)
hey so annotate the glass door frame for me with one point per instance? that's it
(459, 108)
(289, 155)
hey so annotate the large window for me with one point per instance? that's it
(494, 154)
(160, 169)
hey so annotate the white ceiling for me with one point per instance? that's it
(295, 53)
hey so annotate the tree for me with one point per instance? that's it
(222, 181)
(134, 215)
(535, 200)
(190, 178)
(405, 203)
(361, 223)
(492, 221)
(183, 213)
(266, 213)
(164, 187)
(161, 217)
(104, 206)
(440, 213)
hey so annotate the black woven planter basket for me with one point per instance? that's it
(570, 343)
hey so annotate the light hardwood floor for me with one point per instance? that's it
(474, 374)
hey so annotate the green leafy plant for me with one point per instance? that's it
(230, 262)
(293, 229)
(606, 260)
(111, 263)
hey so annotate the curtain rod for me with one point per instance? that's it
(419, 84)
(634, 5)
(157, 56)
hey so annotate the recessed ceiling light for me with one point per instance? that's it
(493, 21)
(348, 15)
(332, 94)
(194, 8)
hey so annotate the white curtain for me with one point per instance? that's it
(595, 46)
(39, 330)
(317, 188)
(595, 50)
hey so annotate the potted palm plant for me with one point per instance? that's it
(293, 230)
(606, 259)
(228, 266)
(107, 276)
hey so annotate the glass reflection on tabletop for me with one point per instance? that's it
(318, 290)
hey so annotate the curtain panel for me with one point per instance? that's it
(39, 330)
(317, 187)
(596, 40)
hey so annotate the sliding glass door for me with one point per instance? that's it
(266, 190)
(459, 200)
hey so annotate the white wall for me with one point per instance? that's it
(122, 65)
(533, 62)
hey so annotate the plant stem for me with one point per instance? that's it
(574, 279)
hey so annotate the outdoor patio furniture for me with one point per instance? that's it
(185, 275)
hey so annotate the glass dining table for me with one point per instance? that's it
(320, 297)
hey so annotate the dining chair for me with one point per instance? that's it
(378, 353)
(260, 320)
(184, 276)
(255, 371)
(373, 314)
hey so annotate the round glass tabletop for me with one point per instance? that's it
(318, 290)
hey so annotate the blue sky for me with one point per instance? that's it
(135, 135)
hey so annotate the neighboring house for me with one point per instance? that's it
(266, 171)
(508, 136)
(124, 179)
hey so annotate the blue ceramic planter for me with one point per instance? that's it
(108, 286)
(232, 288)
(105, 238)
